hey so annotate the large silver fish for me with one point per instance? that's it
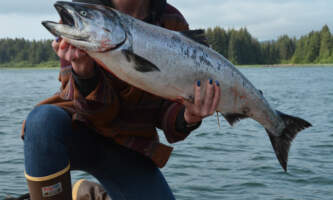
(168, 63)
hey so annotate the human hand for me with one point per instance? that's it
(202, 107)
(83, 65)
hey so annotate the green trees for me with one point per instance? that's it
(312, 48)
(286, 47)
(26, 52)
(326, 46)
(236, 45)
(242, 48)
(316, 47)
(218, 38)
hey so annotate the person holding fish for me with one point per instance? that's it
(106, 127)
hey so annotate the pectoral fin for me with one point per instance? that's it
(140, 64)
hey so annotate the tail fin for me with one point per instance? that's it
(281, 144)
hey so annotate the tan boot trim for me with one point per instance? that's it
(54, 189)
(75, 189)
(49, 177)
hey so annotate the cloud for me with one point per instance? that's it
(21, 26)
(265, 19)
(22, 18)
(26, 7)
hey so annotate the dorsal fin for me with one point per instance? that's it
(197, 35)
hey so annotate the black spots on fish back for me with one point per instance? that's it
(186, 52)
(140, 64)
(219, 66)
(176, 39)
(194, 54)
(204, 57)
(106, 30)
(197, 54)
(175, 42)
(232, 118)
(204, 60)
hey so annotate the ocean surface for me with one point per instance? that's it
(235, 163)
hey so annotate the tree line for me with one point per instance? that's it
(22, 50)
(236, 45)
(241, 48)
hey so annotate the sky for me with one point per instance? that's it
(264, 19)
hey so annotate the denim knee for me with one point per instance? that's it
(47, 122)
(46, 139)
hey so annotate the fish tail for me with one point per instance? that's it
(281, 144)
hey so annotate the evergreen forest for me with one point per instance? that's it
(237, 45)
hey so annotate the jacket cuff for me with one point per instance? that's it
(173, 133)
(182, 125)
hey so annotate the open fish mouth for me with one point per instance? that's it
(65, 16)
(68, 26)
(88, 27)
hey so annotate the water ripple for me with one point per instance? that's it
(234, 163)
(253, 185)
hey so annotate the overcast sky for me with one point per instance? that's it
(265, 19)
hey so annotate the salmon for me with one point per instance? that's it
(167, 64)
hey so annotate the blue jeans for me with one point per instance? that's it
(51, 143)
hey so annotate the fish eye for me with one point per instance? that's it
(83, 13)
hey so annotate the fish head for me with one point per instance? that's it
(89, 27)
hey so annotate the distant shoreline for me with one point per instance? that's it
(285, 65)
(25, 65)
(56, 64)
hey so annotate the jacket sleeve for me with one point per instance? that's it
(171, 121)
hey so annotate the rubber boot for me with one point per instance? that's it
(86, 190)
(53, 187)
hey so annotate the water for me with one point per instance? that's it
(228, 163)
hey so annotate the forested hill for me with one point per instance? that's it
(236, 45)
(241, 48)
(22, 52)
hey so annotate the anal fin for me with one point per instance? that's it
(232, 118)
